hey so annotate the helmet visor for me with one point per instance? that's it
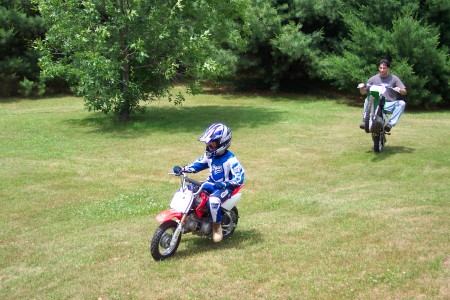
(212, 145)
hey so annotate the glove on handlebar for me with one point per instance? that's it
(220, 185)
(177, 170)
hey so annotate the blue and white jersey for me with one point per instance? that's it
(225, 168)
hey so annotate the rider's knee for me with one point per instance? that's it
(214, 200)
(402, 103)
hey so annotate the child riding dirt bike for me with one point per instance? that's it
(226, 172)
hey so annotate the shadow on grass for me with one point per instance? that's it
(17, 99)
(391, 150)
(199, 245)
(297, 96)
(184, 119)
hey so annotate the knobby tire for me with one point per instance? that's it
(160, 244)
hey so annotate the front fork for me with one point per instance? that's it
(178, 231)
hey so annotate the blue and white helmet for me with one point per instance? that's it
(219, 133)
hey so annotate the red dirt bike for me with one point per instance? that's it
(189, 213)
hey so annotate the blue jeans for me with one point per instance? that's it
(394, 108)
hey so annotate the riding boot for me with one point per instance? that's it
(217, 232)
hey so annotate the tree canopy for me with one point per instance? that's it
(20, 25)
(117, 53)
(413, 45)
(341, 41)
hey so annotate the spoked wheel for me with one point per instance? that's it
(160, 247)
(229, 221)
(378, 141)
(368, 114)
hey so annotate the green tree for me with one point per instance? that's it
(286, 39)
(412, 45)
(118, 53)
(20, 25)
(437, 14)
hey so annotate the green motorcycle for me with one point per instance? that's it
(375, 118)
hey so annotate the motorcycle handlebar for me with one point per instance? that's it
(195, 182)
(369, 85)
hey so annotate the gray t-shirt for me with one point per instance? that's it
(388, 81)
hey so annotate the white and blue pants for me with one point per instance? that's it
(215, 201)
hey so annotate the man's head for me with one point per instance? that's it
(383, 67)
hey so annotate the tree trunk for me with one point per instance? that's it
(125, 109)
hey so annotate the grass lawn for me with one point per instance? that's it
(322, 215)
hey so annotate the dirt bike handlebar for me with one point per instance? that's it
(367, 86)
(193, 181)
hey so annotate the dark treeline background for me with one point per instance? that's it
(284, 45)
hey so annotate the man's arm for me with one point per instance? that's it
(362, 88)
(401, 90)
(400, 86)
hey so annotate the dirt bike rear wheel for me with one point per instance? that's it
(378, 142)
(229, 221)
(160, 246)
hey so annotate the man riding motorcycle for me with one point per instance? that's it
(393, 105)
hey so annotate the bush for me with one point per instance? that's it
(413, 48)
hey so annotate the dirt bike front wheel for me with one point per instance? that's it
(160, 247)
(368, 114)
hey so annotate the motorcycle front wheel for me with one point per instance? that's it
(160, 246)
(368, 113)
